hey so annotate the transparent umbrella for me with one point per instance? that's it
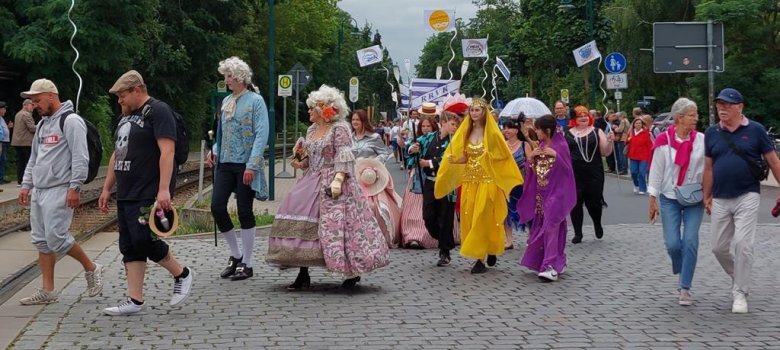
(531, 107)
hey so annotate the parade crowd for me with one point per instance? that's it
(475, 181)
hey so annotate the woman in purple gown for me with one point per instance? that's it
(548, 196)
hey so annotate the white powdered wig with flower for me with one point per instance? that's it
(329, 102)
(237, 68)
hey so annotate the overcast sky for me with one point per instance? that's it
(400, 22)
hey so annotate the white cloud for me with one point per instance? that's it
(400, 22)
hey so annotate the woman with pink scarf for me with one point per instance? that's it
(676, 167)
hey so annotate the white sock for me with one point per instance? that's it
(230, 238)
(248, 243)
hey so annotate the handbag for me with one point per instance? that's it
(689, 194)
(686, 194)
(758, 168)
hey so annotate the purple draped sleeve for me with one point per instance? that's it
(559, 196)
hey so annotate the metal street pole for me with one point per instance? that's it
(271, 100)
(710, 72)
(338, 55)
(593, 68)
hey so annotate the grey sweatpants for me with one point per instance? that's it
(50, 220)
(734, 221)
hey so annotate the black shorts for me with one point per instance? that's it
(135, 239)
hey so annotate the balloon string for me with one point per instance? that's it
(73, 66)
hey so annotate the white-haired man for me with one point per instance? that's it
(731, 194)
(51, 186)
(242, 133)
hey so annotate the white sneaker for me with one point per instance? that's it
(128, 307)
(642, 193)
(40, 297)
(740, 305)
(94, 280)
(549, 274)
(181, 288)
(636, 190)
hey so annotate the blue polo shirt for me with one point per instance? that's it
(730, 173)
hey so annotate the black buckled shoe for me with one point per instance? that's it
(242, 272)
(231, 268)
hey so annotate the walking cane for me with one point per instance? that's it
(213, 176)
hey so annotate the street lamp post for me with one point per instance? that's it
(338, 52)
(566, 5)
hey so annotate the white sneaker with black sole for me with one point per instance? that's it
(549, 274)
(182, 287)
(128, 307)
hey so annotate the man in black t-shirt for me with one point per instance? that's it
(142, 167)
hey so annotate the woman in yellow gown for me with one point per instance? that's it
(479, 160)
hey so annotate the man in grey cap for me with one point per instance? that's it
(22, 138)
(142, 167)
(51, 187)
(731, 194)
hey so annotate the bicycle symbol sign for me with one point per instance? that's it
(617, 81)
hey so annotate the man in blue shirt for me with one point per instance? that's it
(731, 194)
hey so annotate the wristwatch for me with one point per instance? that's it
(76, 189)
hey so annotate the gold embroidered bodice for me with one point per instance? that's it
(541, 166)
(474, 171)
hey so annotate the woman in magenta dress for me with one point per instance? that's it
(324, 220)
(548, 196)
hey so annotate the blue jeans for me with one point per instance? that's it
(639, 174)
(621, 158)
(3, 158)
(682, 246)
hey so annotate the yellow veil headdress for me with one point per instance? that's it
(497, 160)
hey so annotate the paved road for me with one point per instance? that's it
(618, 293)
(624, 207)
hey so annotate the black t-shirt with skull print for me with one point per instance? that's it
(136, 153)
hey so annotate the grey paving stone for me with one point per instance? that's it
(617, 293)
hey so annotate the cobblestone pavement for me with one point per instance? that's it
(617, 293)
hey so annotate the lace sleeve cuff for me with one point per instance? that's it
(344, 161)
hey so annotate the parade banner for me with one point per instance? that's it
(427, 90)
(586, 53)
(439, 21)
(502, 68)
(370, 55)
(474, 48)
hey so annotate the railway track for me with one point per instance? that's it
(89, 220)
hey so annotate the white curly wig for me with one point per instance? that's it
(236, 67)
(329, 96)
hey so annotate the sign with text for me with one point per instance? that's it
(617, 81)
(285, 85)
(354, 85)
(427, 90)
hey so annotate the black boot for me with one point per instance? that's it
(577, 238)
(350, 282)
(242, 272)
(302, 281)
(599, 232)
(491, 260)
(231, 268)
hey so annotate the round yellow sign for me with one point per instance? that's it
(439, 20)
(285, 82)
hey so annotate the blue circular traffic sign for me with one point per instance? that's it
(615, 63)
